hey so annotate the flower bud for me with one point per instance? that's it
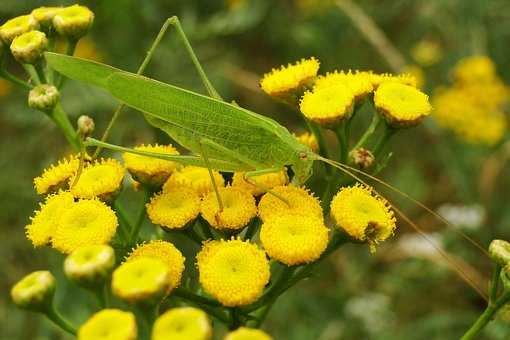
(17, 26)
(85, 125)
(73, 21)
(28, 47)
(43, 97)
(44, 15)
(499, 251)
(90, 266)
(362, 157)
(35, 291)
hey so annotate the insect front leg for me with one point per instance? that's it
(248, 177)
(215, 186)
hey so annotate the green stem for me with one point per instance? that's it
(341, 133)
(57, 319)
(125, 226)
(185, 294)
(486, 317)
(376, 120)
(252, 229)
(62, 120)
(147, 193)
(15, 80)
(388, 133)
(235, 318)
(40, 72)
(493, 291)
(71, 46)
(32, 72)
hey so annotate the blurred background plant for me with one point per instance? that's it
(454, 165)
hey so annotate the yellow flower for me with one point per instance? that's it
(474, 69)
(363, 214)
(56, 176)
(195, 177)
(359, 83)
(234, 272)
(28, 47)
(175, 208)
(85, 222)
(294, 238)
(401, 105)
(109, 324)
(17, 26)
(309, 140)
(238, 208)
(378, 79)
(285, 80)
(264, 181)
(44, 15)
(35, 291)
(143, 279)
(183, 323)
(43, 225)
(73, 21)
(100, 179)
(427, 52)
(244, 333)
(299, 200)
(90, 266)
(328, 105)
(166, 252)
(149, 170)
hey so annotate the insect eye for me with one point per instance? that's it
(303, 155)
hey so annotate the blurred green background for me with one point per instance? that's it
(404, 291)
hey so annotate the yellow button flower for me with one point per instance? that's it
(17, 26)
(401, 105)
(195, 177)
(238, 208)
(56, 176)
(427, 52)
(234, 272)
(294, 238)
(184, 323)
(101, 179)
(363, 214)
(28, 47)
(109, 324)
(474, 69)
(244, 333)
(35, 291)
(43, 225)
(175, 208)
(359, 83)
(90, 266)
(44, 15)
(166, 252)
(85, 222)
(264, 181)
(328, 105)
(300, 200)
(309, 140)
(281, 82)
(141, 280)
(148, 170)
(73, 21)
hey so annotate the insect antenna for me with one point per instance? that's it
(452, 263)
(81, 165)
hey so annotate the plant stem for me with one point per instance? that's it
(15, 80)
(486, 316)
(493, 291)
(71, 46)
(147, 193)
(184, 293)
(57, 319)
(376, 120)
(125, 226)
(341, 133)
(252, 229)
(388, 133)
(62, 120)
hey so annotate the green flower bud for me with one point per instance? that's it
(73, 21)
(44, 15)
(17, 26)
(85, 126)
(28, 47)
(90, 266)
(362, 157)
(43, 97)
(35, 291)
(499, 251)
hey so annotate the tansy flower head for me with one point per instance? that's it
(165, 252)
(238, 208)
(401, 105)
(474, 69)
(90, 266)
(141, 280)
(73, 21)
(149, 170)
(328, 105)
(363, 214)
(85, 222)
(17, 26)
(109, 324)
(43, 97)
(378, 79)
(56, 176)
(44, 223)
(299, 200)
(427, 52)
(244, 333)
(44, 15)
(35, 291)
(359, 83)
(101, 179)
(282, 82)
(294, 238)
(308, 139)
(28, 47)
(183, 323)
(264, 181)
(234, 272)
(175, 208)
(195, 177)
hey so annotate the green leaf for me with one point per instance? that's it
(88, 71)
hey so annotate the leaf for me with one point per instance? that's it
(80, 69)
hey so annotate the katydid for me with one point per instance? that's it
(220, 135)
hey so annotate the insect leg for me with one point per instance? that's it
(206, 160)
(248, 178)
